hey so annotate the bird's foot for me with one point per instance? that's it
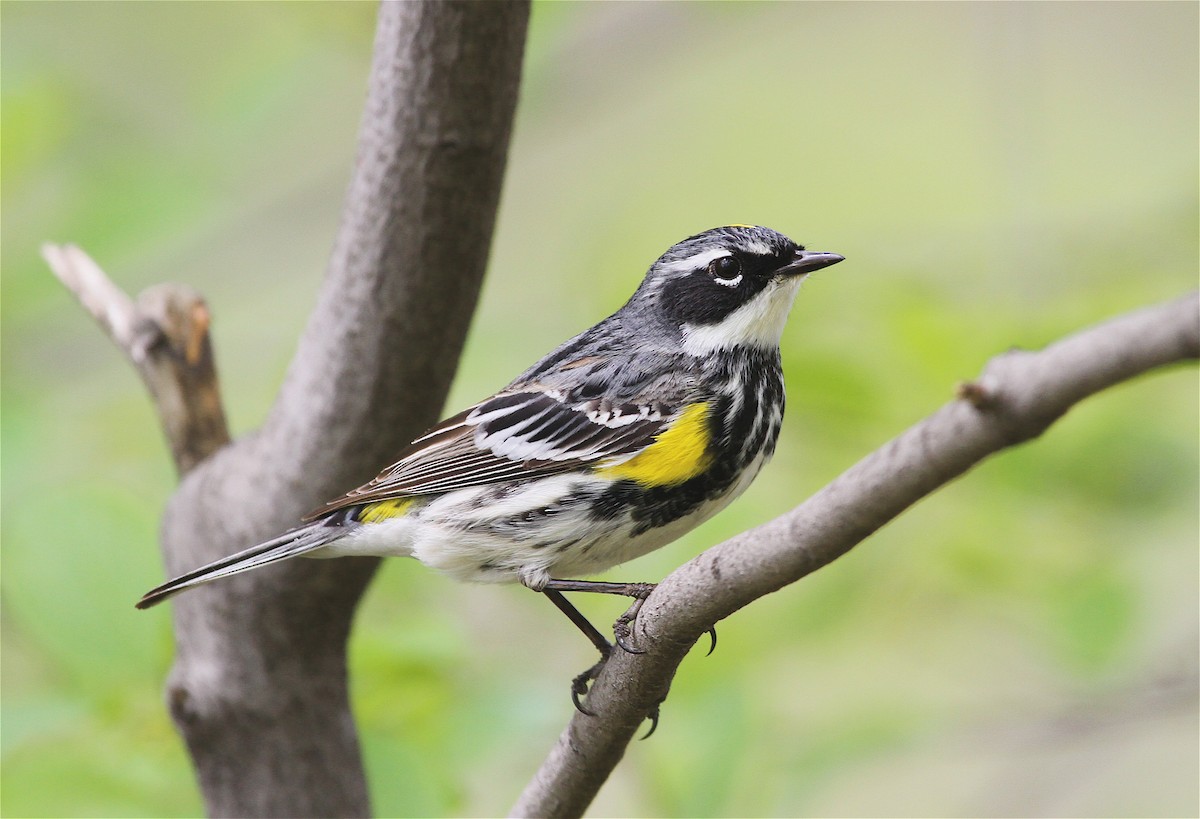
(623, 632)
(582, 683)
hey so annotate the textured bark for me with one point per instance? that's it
(1018, 396)
(259, 687)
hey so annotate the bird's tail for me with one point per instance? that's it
(295, 542)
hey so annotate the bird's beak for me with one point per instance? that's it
(807, 261)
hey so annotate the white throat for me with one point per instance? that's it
(757, 323)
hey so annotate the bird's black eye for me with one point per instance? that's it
(726, 270)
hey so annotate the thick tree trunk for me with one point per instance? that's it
(259, 687)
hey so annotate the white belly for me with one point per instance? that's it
(484, 534)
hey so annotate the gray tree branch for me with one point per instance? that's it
(1016, 398)
(258, 688)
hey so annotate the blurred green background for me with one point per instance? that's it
(1022, 643)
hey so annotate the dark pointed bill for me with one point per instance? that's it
(807, 261)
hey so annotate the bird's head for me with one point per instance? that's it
(727, 287)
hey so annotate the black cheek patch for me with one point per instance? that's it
(697, 299)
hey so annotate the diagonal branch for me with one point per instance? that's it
(1018, 396)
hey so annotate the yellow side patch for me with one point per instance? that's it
(384, 510)
(677, 454)
(743, 226)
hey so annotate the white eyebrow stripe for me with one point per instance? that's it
(696, 260)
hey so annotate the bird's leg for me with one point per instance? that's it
(579, 685)
(591, 632)
(623, 627)
(622, 630)
(638, 590)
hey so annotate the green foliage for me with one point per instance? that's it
(997, 175)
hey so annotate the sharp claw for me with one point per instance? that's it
(712, 632)
(579, 686)
(623, 628)
(628, 647)
(622, 631)
(579, 706)
(653, 717)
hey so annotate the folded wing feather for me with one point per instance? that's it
(511, 436)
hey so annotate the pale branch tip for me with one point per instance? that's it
(164, 332)
(95, 291)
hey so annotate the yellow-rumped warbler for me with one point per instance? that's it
(616, 443)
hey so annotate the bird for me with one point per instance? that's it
(615, 443)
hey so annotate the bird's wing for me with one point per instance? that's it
(513, 435)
